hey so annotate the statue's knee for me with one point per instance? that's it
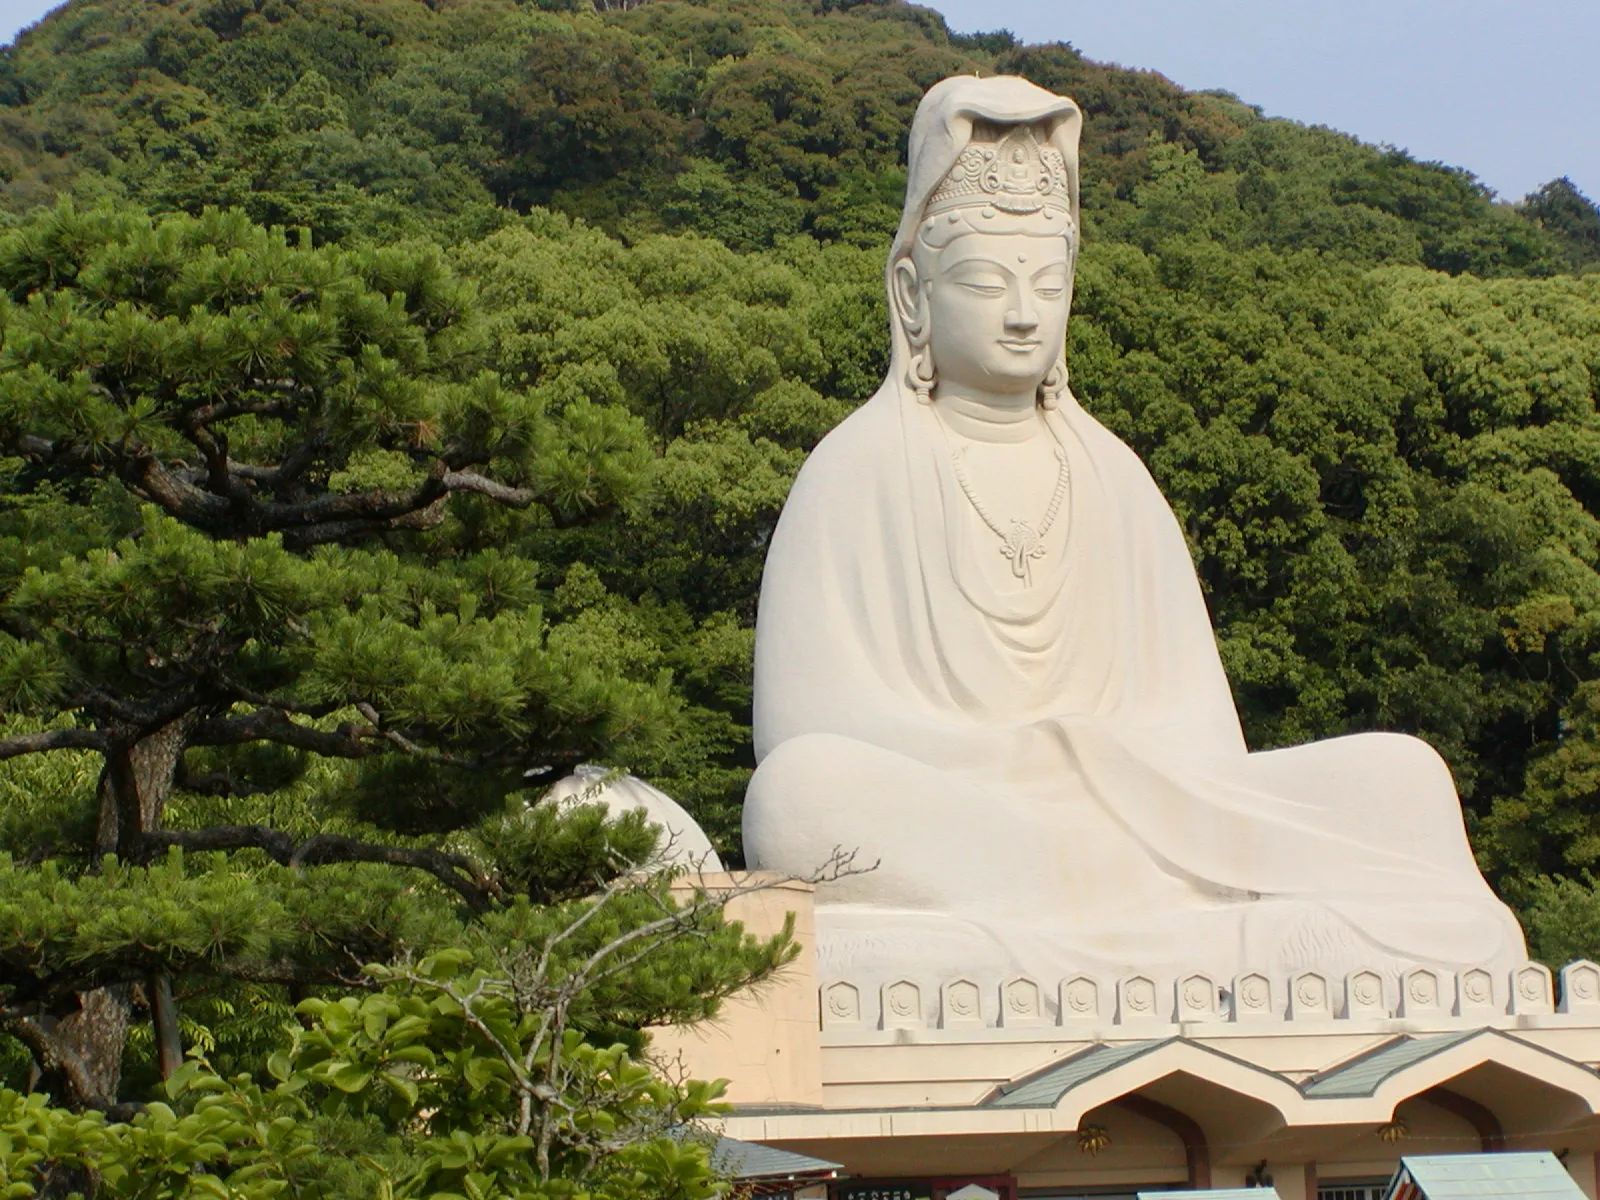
(805, 800)
(793, 794)
(1409, 762)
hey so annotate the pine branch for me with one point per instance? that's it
(357, 529)
(470, 481)
(148, 476)
(457, 872)
(274, 725)
(52, 739)
(218, 497)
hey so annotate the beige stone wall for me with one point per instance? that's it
(764, 1042)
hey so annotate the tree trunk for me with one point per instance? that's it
(80, 1055)
(134, 787)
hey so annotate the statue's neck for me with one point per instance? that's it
(989, 418)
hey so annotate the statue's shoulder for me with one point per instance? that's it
(871, 435)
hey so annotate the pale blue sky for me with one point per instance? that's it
(1509, 89)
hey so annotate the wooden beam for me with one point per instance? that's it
(1196, 1153)
(1491, 1134)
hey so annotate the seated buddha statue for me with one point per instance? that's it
(984, 662)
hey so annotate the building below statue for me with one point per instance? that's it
(1093, 1086)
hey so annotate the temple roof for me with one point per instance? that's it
(748, 1160)
(1362, 1076)
(1046, 1088)
(1043, 1088)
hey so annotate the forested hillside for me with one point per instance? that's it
(632, 262)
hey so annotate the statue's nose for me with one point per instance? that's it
(1023, 318)
(1022, 313)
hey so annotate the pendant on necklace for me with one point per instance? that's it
(1022, 545)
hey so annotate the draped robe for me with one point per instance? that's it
(1054, 777)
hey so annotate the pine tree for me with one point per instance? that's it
(253, 592)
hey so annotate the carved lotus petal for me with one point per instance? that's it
(1423, 988)
(1082, 996)
(843, 1001)
(1475, 986)
(904, 999)
(1254, 992)
(962, 997)
(1140, 994)
(1020, 1000)
(1366, 990)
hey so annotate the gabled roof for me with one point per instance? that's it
(750, 1160)
(1479, 1176)
(1366, 1074)
(1130, 1066)
(1044, 1088)
(1363, 1075)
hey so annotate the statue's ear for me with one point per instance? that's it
(911, 305)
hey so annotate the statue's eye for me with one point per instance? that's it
(979, 278)
(1049, 291)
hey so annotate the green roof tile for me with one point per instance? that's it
(1047, 1087)
(1363, 1076)
(750, 1160)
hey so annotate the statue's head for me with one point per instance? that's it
(980, 278)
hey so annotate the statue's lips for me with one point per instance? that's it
(1019, 343)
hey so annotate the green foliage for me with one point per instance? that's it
(749, 123)
(1561, 209)
(1563, 917)
(396, 401)
(449, 1080)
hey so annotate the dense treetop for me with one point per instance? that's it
(746, 120)
(396, 399)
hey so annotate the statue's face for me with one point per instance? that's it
(997, 309)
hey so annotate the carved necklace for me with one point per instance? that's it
(1022, 543)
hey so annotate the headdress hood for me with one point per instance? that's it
(943, 127)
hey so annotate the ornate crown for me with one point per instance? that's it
(1008, 168)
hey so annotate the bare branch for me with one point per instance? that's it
(148, 477)
(469, 481)
(355, 529)
(52, 739)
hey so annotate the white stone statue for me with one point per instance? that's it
(983, 658)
